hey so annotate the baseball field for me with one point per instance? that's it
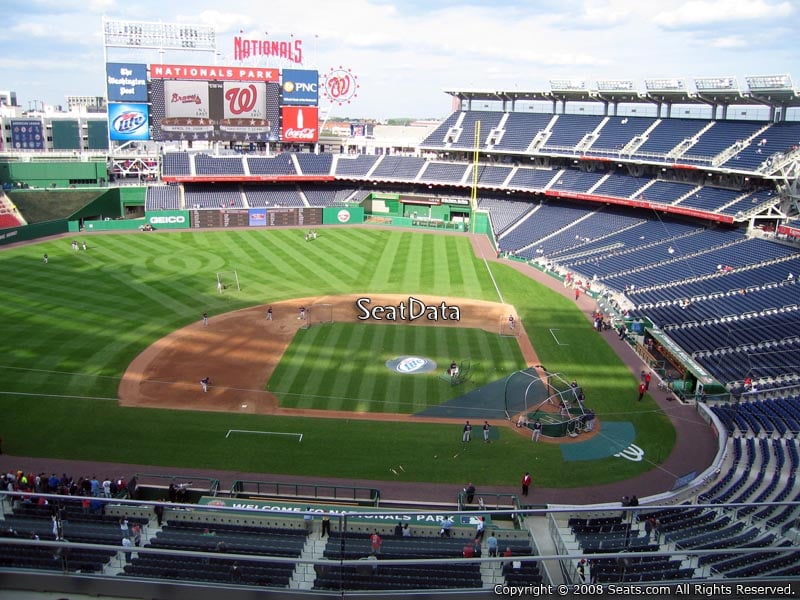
(104, 350)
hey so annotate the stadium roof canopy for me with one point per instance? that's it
(770, 90)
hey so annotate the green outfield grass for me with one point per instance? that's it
(72, 326)
(342, 366)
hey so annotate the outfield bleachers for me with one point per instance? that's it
(162, 197)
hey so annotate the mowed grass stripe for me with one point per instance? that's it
(357, 366)
(383, 261)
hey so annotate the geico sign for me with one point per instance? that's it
(165, 220)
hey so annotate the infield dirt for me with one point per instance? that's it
(240, 350)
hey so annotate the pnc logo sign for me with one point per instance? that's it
(167, 220)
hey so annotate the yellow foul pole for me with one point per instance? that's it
(473, 197)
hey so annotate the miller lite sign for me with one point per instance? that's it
(128, 122)
(299, 124)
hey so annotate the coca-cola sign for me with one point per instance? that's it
(299, 124)
(307, 134)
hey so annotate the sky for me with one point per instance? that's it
(404, 54)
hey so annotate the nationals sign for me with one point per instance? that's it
(299, 124)
(212, 73)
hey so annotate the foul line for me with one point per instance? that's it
(488, 268)
(230, 431)
(555, 338)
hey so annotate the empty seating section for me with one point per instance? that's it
(325, 196)
(731, 252)
(532, 179)
(176, 164)
(373, 575)
(162, 197)
(436, 139)
(314, 164)
(732, 303)
(539, 224)
(628, 241)
(404, 168)
(520, 129)
(621, 186)
(216, 541)
(720, 136)
(655, 263)
(617, 133)
(582, 232)
(218, 165)
(504, 213)
(198, 195)
(445, 172)
(710, 199)
(752, 201)
(275, 195)
(488, 121)
(667, 192)
(568, 130)
(778, 138)
(734, 282)
(667, 135)
(355, 166)
(491, 176)
(576, 181)
(280, 164)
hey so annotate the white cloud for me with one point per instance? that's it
(223, 22)
(730, 41)
(101, 6)
(708, 12)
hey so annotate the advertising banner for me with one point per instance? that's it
(258, 217)
(300, 87)
(211, 73)
(128, 122)
(167, 219)
(126, 82)
(27, 134)
(299, 124)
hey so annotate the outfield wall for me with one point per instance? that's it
(25, 233)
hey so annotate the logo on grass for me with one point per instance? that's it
(411, 364)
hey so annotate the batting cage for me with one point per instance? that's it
(534, 394)
(318, 314)
(509, 326)
(227, 280)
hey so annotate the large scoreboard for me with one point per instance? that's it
(255, 217)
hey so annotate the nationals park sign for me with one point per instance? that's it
(371, 516)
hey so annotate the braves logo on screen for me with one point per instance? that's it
(340, 86)
(241, 100)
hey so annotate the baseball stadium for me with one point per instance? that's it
(535, 350)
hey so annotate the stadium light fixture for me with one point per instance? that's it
(160, 36)
(758, 83)
(665, 85)
(616, 85)
(567, 85)
(716, 84)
